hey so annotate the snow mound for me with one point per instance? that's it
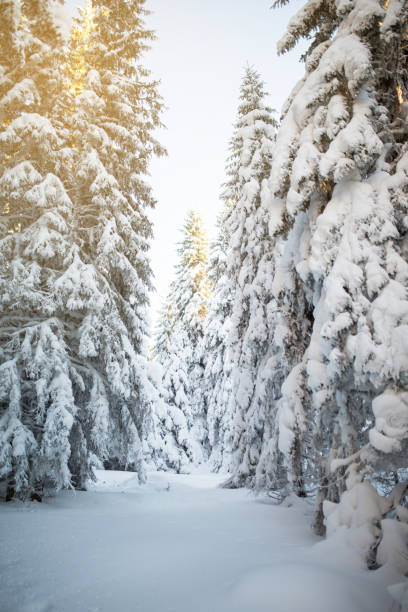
(399, 592)
(289, 587)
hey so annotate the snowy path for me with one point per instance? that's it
(190, 548)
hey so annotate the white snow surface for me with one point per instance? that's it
(176, 544)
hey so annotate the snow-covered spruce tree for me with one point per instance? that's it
(216, 392)
(182, 357)
(163, 330)
(62, 394)
(168, 441)
(113, 109)
(338, 196)
(40, 432)
(250, 251)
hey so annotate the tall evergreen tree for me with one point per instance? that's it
(114, 112)
(168, 445)
(337, 196)
(250, 250)
(182, 355)
(38, 376)
(216, 392)
(74, 376)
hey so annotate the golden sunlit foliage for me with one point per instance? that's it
(195, 258)
(399, 94)
(79, 41)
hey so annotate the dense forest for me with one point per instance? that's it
(280, 357)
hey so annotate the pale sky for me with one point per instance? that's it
(199, 56)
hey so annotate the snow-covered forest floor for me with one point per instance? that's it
(176, 544)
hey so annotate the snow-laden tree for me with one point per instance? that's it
(74, 379)
(163, 330)
(114, 108)
(337, 197)
(181, 354)
(167, 446)
(216, 391)
(250, 289)
(39, 427)
(252, 107)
